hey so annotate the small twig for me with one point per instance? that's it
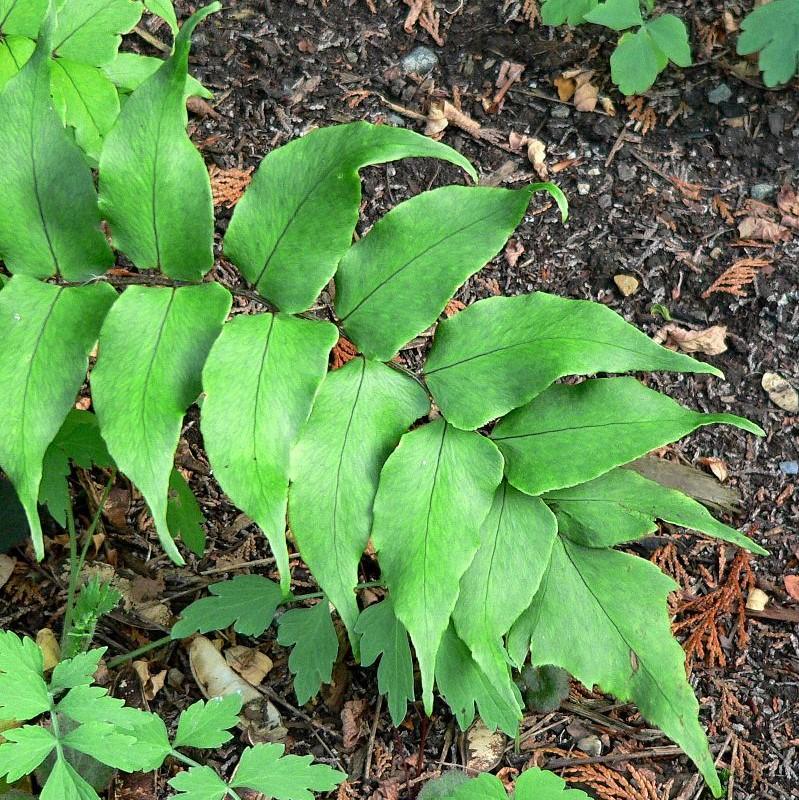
(117, 661)
(153, 40)
(372, 734)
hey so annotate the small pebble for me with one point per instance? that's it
(626, 284)
(561, 112)
(776, 123)
(789, 467)
(757, 600)
(626, 171)
(760, 191)
(605, 202)
(420, 60)
(583, 188)
(720, 94)
(590, 744)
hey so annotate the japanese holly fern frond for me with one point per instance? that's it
(495, 518)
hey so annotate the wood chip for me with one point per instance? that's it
(781, 392)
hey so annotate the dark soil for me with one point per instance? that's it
(282, 67)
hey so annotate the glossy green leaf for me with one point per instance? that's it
(636, 62)
(772, 31)
(594, 597)
(151, 741)
(616, 14)
(23, 750)
(360, 413)
(104, 743)
(464, 686)
(206, 724)
(90, 31)
(64, 783)
(501, 352)
(556, 12)
(395, 281)
(315, 647)
(49, 220)
(266, 769)
(615, 420)
(86, 100)
(671, 36)
(260, 381)
(435, 491)
(384, 636)
(14, 54)
(515, 540)
(141, 393)
(622, 506)
(23, 692)
(164, 9)
(78, 442)
(22, 17)
(247, 602)
(310, 191)
(184, 518)
(77, 671)
(48, 333)
(128, 71)
(154, 188)
(198, 783)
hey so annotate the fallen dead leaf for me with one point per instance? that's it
(351, 721)
(757, 600)
(442, 113)
(48, 644)
(735, 277)
(710, 341)
(781, 392)
(717, 466)
(792, 585)
(514, 250)
(151, 683)
(7, 565)
(249, 662)
(585, 97)
(537, 153)
(484, 748)
(722, 208)
(788, 201)
(627, 284)
(763, 230)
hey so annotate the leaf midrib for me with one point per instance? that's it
(573, 428)
(82, 25)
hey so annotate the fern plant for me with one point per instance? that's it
(89, 77)
(646, 45)
(495, 496)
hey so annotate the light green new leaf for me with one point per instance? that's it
(265, 769)
(616, 14)
(154, 188)
(105, 743)
(594, 597)
(49, 220)
(395, 281)
(556, 12)
(247, 602)
(164, 9)
(86, 100)
(671, 37)
(64, 783)
(383, 635)
(260, 381)
(481, 787)
(360, 413)
(79, 442)
(515, 540)
(151, 741)
(773, 30)
(77, 671)
(205, 725)
(311, 632)
(501, 352)
(22, 17)
(47, 333)
(622, 506)
(14, 54)
(184, 517)
(24, 749)
(199, 783)
(91, 704)
(615, 420)
(90, 31)
(128, 71)
(310, 191)
(636, 62)
(540, 784)
(427, 535)
(463, 685)
(141, 393)
(23, 692)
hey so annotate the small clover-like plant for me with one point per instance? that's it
(646, 45)
(532, 784)
(495, 516)
(68, 715)
(772, 31)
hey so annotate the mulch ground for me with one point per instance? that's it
(662, 190)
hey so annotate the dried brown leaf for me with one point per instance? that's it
(710, 341)
(762, 229)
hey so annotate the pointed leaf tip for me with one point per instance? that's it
(557, 195)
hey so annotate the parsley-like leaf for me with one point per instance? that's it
(77, 671)
(198, 783)
(384, 636)
(23, 692)
(248, 603)
(206, 724)
(311, 632)
(64, 783)
(24, 749)
(105, 743)
(773, 30)
(265, 769)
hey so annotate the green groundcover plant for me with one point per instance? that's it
(495, 496)
(772, 31)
